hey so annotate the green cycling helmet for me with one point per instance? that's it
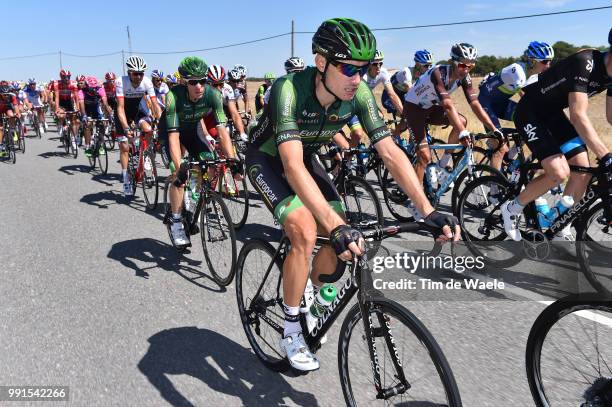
(192, 68)
(269, 76)
(344, 38)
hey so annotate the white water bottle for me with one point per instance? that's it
(432, 175)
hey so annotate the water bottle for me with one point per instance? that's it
(432, 175)
(562, 205)
(362, 156)
(513, 152)
(137, 143)
(515, 176)
(324, 298)
(194, 178)
(543, 212)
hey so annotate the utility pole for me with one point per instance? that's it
(292, 35)
(129, 40)
(60, 56)
(123, 61)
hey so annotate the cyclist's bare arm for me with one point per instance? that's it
(232, 108)
(305, 187)
(121, 113)
(578, 107)
(155, 109)
(481, 114)
(81, 106)
(107, 108)
(225, 141)
(452, 113)
(397, 102)
(174, 144)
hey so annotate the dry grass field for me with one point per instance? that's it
(597, 113)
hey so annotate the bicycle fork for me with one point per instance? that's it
(384, 331)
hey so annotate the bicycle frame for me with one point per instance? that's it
(466, 161)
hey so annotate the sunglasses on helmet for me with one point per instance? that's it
(350, 70)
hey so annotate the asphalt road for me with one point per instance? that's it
(93, 296)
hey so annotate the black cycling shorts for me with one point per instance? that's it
(547, 133)
(268, 176)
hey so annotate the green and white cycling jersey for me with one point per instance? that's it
(183, 115)
(294, 113)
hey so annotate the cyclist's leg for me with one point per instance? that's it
(493, 112)
(544, 139)
(437, 116)
(575, 152)
(124, 148)
(417, 119)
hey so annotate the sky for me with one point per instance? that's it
(87, 28)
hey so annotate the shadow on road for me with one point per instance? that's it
(161, 255)
(50, 154)
(103, 199)
(252, 230)
(75, 168)
(224, 365)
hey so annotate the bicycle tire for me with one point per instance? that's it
(21, 141)
(102, 158)
(74, 149)
(36, 125)
(491, 222)
(236, 198)
(254, 311)
(65, 139)
(478, 171)
(585, 244)
(214, 212)
(10, 150)
(540, 330)
(94, 153)
(149, 182)
(385, 308)
(357, 217)
(395, 199)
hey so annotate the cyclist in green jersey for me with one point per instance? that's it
(186, 105)
(305, 110)
(269, 78)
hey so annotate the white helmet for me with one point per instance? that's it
(403, 79)
(294, 64)
(513, 76)
(136, 63)
(235, 74)
(241, 68)
(464, 52)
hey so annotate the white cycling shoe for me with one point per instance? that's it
(127, 189)
(298, 354)
(179, 236)
(511, 222)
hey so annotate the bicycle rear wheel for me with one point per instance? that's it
(261, 313)
(218, 239)
(102, 154)
(396, 200)
(569, 353)
(72, 143)
(594, 248)
(149, 183)
(398, 337)
(482, 226)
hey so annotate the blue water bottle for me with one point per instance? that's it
(543, 212)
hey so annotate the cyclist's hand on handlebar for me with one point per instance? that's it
(446, 226)
(465, 137)
(346, 240)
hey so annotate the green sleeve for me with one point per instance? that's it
(283, 111)
(172, 120)
(369, 115)
(261, 91)
(216, 103)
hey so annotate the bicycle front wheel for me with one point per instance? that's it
(362, 205)
(236, 196)
(72, 143)
(594, 249)
(218, 239)
(569, 353)
(149, 183)
(258, 281)
(411, 364)
(102, 154)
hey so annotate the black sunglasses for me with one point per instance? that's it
(137, 73)
(350, 70)
(194, 82)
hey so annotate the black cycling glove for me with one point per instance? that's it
(342, 236)
(437, 221)
(181, 175)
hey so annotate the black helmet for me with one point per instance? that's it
(610, 37)
(344, 38)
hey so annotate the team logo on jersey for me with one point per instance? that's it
(530, 130)
(589, 65)
(306, 114)
(333, 118)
